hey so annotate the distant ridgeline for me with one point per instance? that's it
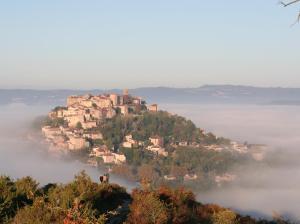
(137, 141)
(217, 94)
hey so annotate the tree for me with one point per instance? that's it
(79, 125)
(179, 171)
(40, 213)
(83, 201)
(147, 173)
(225, 217)
(285, 4)
(27, 187)
(15, 195)
(146, 208)
(181, 204)
(289, 3)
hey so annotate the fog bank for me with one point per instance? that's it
(273, 186)
(20, 157)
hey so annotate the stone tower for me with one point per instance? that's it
(125, 92)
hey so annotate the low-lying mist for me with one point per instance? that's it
(259, 190)
(20, 157)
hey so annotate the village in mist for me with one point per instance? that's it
(257, 191)
(149, 112)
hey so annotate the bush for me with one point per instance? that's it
(224, 217)
(15, 195)
(146, 208)
(83, 201)
(40, 213)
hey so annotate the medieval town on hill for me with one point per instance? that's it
(79, 125)
(74, 127)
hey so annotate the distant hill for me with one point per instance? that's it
(224, 94)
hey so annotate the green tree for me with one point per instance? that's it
(40, 213)
(15, 195)
(79, 125)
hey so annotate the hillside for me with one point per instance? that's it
(83, 201)
(133, 139)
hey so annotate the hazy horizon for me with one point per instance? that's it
(121, 87)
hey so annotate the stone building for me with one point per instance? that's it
(77, 143)
(89, 124)
(114, 99)
(153, 108)
(157, 141)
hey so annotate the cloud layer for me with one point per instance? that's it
(273, 186)
(20, 157)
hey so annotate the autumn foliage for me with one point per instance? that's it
(83, 201)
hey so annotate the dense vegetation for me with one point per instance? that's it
(141, 164)
(46, 121)
(144, 165)
(83, 201)
(171, 127)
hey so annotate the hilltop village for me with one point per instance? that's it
(75, 126)
(121, 130)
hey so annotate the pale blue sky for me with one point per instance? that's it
(132, 43)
